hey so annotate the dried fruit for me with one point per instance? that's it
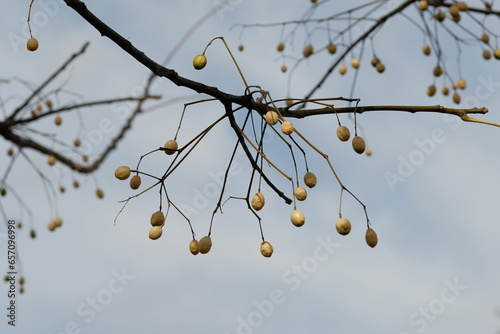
(10, 152)
(462, 6)
(157, 219)
(48, 103)
(375, 61)
(51, 160)
(280, 47)
(283, 68)
(272, 117)
(122, 173)
(438, 70)
(58, 221)
(343, 133)
(456, 98)
(77, 142)
(426, 49)
(194, 247)
(199, 62)
(310, 179)
(58, 120)
(205, 244)
(496, 53)
(171, 147)
(241, 47)
(342, 69)
(52, 226)
(445, 90)
(266, 249)
(485, 38)
(155, 232)
(258, 201)
(461, 83)
(135, 182)
(440, 16)
(454, 10)
(486, 54)
(297, 217)
(431, 90)
(300, 193)
(332, 48)
(371, 237)
(308, 50)
(99, 193)
(32, 44)
(33, 234)
(380, 68)
(423, 4)
(287, 127)
(355, 62)
(358, 144)
(343, 226)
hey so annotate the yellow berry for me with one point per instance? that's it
(258, 201)
(287, 127)
(308, 50)
(194, 247)
(426, 49)
(297, 218)
(431, 90)
(266, 249)
(199, 62)
(205, 244)
(155, 232)
(485, 38)
(438, 70)
(369, 152)
(496, 53)
(48, 103)
(371, 237)
(171, 147)
(283, 68)
(486, 54)
(58, 221)
(462, 6)
(342, 69)
(58, 120)
(343, 133)
(280, 47)
(271, 117)
(32, 44)
(355, 62)
(358, 144)
(52, 226)
(332, 48)
(99, 193)
(380, 68)
(343, 226)
(461, 83)
(300, 193)
(310, 179)
(456, 98)
(423, 4)
(135, 182)
(454, 10)
(157, 219)
(122, 173)
(51, 160)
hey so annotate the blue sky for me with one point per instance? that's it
(435, 267)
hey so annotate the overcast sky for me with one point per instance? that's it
(435, 269)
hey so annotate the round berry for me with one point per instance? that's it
(122, 173)
(358, 144)
(371, 237)
(171, 147)
(155, 232)
(199, 62)
(343, 133)
(205, 244)
(32, 44)
(310, 179)
(343, 226)
(266, 249)
(258, 201)
(297, 218)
